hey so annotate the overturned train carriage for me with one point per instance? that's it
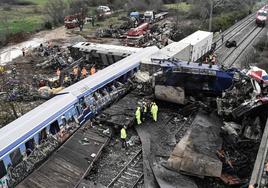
(47, 126)
(178, 79)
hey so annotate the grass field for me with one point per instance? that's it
(14, 19)
(28, 18)
(183, 7)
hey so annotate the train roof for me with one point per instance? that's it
(106, 48)
(196, 37)
(168, 51)
(100, 78)
(27, 125)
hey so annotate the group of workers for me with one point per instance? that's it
(142, 113)
(211, 59)
(76, 74)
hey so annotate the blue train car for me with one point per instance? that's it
(77, 103)
(195, 78)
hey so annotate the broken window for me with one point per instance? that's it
(54, 128)
(42, 135)
(30, 144)
(16, 157)
(3, 170)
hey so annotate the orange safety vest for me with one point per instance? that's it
(92, 70)
(84, 72)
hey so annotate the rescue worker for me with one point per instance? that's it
(144, 110)
(84, 72)
(213, 60)
(2, 69)
(222, 38)
(75, 73)
(210, 57)
(92, 70)
(23, 52)
(138, 115)
(206, 60)
(154, 111)
(123, 137)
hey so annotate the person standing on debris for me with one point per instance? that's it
(144, 110)
(92, 70)
(75, 72)
(222, 38)
(213, 60)
(84, 72)
(154, 111)
(138, 115)
(123, 137)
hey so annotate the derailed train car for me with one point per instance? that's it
(52, 120)
(182, 79)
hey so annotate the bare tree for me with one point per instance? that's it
(56, 10)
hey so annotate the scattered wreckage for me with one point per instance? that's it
(240, 99)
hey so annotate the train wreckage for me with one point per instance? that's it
(215, 129)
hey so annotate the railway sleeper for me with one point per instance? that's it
(133, 170)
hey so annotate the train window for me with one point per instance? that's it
(16, 157)
(3, 170)
(30, 144)
(42, 135)
(54, 128)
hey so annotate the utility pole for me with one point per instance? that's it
(210, 15)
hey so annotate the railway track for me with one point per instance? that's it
(234, 54)
(130, 175)
(232, 31)
(259, 176)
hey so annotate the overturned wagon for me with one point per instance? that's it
(178, 79)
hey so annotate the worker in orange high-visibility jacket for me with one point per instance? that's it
(92, 70)
(84, 72)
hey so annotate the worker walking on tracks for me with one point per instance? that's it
(123, 136)
(154, 111)
(222, 38)
(138, 115)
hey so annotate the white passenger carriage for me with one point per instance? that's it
(77, 103)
